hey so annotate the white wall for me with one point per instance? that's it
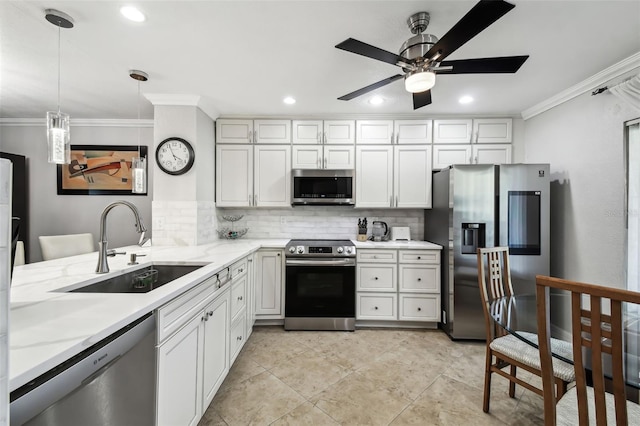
(583, 141)
(52, 214)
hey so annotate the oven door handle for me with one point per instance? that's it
(333, 262)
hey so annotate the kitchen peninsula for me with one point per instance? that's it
(49, 325)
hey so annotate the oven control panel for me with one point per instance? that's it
(311, 250)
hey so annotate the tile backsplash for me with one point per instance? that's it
(333, 222)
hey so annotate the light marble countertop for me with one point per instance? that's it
(49, 326)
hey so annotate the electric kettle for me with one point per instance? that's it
(379, 231)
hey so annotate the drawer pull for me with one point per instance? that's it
(419, 279)
(419, 309)
(239, 338)
(239, 297)
(419, 258)
(375, 278)
(210, 313)
(204, 318)
(241, 270)
(375, 307)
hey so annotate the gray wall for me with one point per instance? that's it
(52, 214)
(583, 140)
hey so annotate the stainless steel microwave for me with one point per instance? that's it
(322, 187)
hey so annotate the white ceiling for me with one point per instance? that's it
(243, 57)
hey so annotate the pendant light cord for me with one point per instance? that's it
(59, 69)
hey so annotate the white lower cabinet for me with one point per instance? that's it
(269, 284)
(193, 361)
(399, 285)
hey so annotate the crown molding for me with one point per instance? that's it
(79, 122)
(183, 100)
(599, 79)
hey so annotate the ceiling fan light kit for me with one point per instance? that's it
(422, 56)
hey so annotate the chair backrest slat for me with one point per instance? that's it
(600, 333)
(494, 281)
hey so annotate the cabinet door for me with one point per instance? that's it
(234, 131)
(374, 131)
(374, 176)
(452, 131)
(413, 131)
(272, 183)
(446, 155)
(419, 278)
(179, 376)
(272, 131)
(492, 130)
(339, 132)
(238, 296)
(339, 157)
(419, 308)
(234, 175)
(269, 283)
(307, 131)
(251, 307)
(492, 154)
(379, 278)
(307, 157)
(412, 176)
(377, 306)
(216, 343)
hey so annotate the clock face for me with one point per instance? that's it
(175, 156)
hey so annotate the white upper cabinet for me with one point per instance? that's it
(413, 132)
(307, 132)
(231, 130)
(234, 175)
(452, 131)
(272, 131)
(492, 130)
(339, 132)
(339, 157)
(374, 176)
(374, 132)
(234, 131)
(412, 177)
(492, 154)
(446, 155)
(307, 157)
(272, 180)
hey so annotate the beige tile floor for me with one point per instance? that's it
(367, 377)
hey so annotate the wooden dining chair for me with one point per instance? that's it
(602, 335)
(504, 349)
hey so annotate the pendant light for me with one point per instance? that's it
(59, 151)
(139, 164)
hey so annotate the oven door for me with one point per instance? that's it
(320, 288)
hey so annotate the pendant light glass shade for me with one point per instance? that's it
(58, 138)
(138, 164)
(58, 135)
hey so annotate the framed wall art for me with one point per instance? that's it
(99, 170)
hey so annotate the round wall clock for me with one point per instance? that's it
(175, 156)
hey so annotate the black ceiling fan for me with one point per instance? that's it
(422, 56)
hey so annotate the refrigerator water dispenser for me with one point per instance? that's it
(473, 237)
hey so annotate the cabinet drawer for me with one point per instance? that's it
(237, 337)
(377, 306)
(238, 295)
(386, 256)
(419, 256)
(415, 278)
(376, 277)
(176, 313)
(419, 308)
(239, 268)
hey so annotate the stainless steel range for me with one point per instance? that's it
(320, 287)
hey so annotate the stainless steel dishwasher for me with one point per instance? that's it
(110, 383)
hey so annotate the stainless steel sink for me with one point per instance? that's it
(139, 281)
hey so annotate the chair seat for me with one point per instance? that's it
(523, 352)
(567, 408)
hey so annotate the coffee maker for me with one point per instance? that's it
(379, 231)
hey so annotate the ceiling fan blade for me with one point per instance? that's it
(369, 88)
(483, 14)
(364, 49)
(421, 99)
(505, 64)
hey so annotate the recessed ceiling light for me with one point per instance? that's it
(289, 100)
(465, 100)
(376, 100)
(132, 13)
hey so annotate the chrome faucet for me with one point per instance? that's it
(103, 252)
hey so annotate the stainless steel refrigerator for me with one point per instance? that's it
(487, 206)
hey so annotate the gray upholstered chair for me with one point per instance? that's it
(602, 335)
(504, 349)
(57, 246)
